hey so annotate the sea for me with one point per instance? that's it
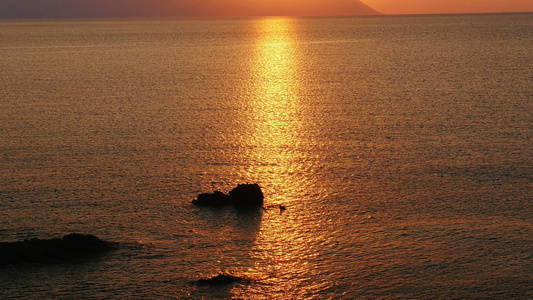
(400, 146)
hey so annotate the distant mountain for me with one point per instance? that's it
(15, 9)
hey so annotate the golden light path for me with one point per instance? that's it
(276, 120)
(279, 143)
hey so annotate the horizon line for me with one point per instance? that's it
(263, 16)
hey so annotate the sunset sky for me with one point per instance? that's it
(449, 6)
(246, 8)
(179, 8)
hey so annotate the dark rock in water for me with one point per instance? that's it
(219, 280)
(76, 242)
(247, 195)
(71, 247)
(215, 199)
(243, 196)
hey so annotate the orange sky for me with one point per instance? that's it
(449, 6)
(238, 8)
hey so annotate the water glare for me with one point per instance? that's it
(274, 113)
(277, 155)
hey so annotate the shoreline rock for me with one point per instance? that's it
(242, 196)
(71, 247)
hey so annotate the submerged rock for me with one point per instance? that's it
(243, 196)
(71, 247)
(220, 279)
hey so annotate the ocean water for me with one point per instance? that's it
(402, 148)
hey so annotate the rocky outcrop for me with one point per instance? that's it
(243, 196)
(247, 195)
(71, 247)
(220, 279)
(216, 198)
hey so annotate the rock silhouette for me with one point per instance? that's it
(216, 198)
(220, 279)
(71, 247)
(243, 196)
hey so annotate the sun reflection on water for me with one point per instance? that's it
(277, 155)
(276, 116)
